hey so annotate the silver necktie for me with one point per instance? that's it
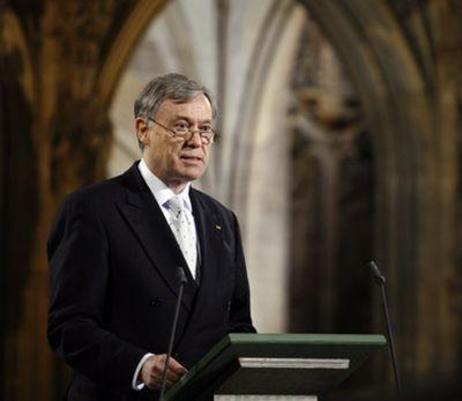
(184, 230)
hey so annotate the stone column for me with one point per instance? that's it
(55, 137)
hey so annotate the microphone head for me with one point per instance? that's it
(181, 275)
(376, 272)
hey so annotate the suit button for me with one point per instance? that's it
(156, 302)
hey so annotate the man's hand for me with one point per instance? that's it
(153, 368)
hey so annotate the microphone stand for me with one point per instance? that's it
(380, 279)
(182, 279)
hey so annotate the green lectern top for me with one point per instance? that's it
(276, 364)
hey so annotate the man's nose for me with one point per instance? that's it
(195, 140)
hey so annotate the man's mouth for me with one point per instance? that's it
(190, 158)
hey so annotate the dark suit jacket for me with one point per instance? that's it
(113, 261)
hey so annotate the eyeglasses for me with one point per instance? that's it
(182, 131)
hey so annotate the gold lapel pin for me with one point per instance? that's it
(218, 227)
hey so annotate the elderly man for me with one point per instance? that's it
(115, 248)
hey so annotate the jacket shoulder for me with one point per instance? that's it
(104, 192)
(97, 193)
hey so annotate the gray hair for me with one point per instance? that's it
(176, 87)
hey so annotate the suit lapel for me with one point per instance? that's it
(208, 226)
(148, 223)
(210, 242)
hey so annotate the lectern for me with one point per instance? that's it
(274, 367)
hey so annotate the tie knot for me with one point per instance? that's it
(175, 204)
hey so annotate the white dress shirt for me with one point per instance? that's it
(161, 192)
(162, 195)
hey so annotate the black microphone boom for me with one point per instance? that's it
(182, 279)
(380, 278)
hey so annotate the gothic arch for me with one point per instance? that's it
(14, 41)
(412, 179)
(134, 26)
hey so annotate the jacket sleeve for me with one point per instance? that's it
(77, 325)
(239, 315)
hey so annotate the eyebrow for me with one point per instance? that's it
(180, 117)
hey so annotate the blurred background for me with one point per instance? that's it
(341, 128)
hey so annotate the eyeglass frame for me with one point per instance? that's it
(186, 138)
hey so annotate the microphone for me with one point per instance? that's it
(182, 280)
(380, 278)
(377, 274)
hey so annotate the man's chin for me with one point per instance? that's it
(191, 174)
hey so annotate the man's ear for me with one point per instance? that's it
(142, 129)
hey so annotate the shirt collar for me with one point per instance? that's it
(161, 192)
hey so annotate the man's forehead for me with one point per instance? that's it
(199, 103)
(197, 108)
